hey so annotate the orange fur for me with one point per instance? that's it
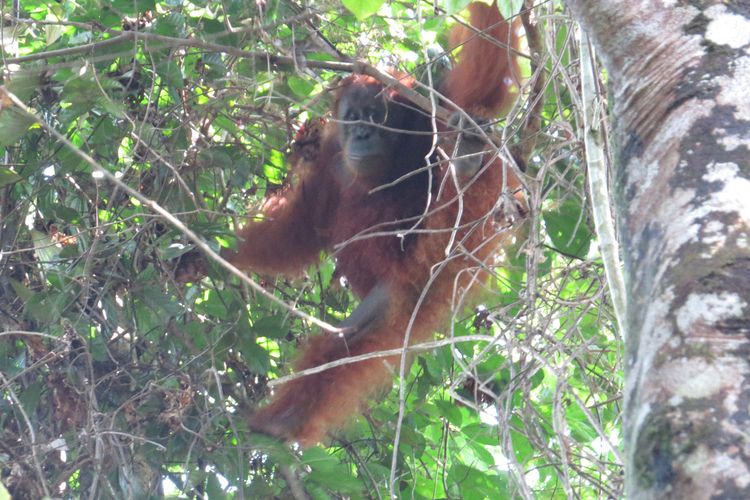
(468, 83)
(320, 211)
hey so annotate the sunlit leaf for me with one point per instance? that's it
(7, 176)
(363, 8)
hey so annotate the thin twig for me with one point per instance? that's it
(425, 346)
(168, 41)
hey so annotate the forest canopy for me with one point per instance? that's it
(124, 123)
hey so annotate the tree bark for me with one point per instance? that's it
(679, 75)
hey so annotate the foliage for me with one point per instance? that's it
(115, 381)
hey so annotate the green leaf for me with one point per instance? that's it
(480, 433)
(23, 84)
(436, 24)
(4, 495)
(7, 176)
(171, 73)
(566, 227)
(31, 396)
(329, 472)
(257, 358)
(23, 292)
(580, 427)
(213, 487)
(454, 6)
(66, 214)
(172, 25)
(214, 306)
(479, 454)
(362, 9)
(300, 86)
(216, 157)
(272, 327)
(45, 247)
(174, 250)
(469, 483)
(13, 126)
(451, 412)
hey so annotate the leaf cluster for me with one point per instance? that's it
(117, 382)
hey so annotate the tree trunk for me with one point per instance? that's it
(679, 75)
